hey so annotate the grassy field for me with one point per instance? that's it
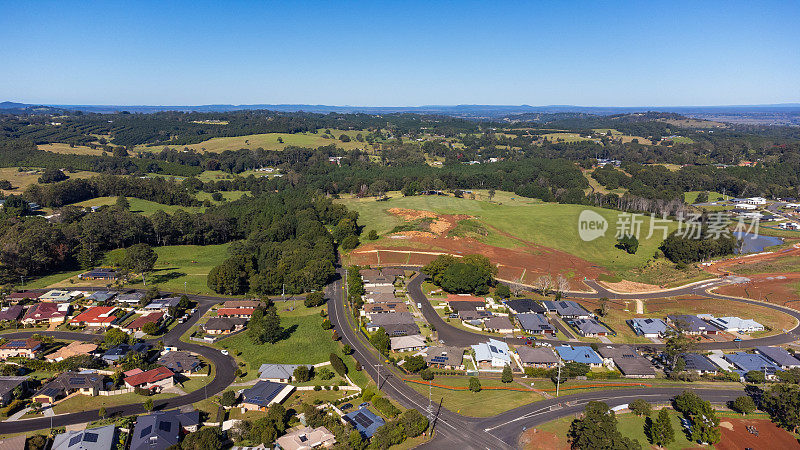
(485, 403)
(66, 149)
(21, 180)
(269, 141)
(547, 224)
(145, 207)
(229, 196)
(713, 196)
(83, 403)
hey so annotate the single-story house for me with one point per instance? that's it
(400, 329)
(524, 305)
(265, 394)
(114, 354)
(160, 430)
(56, 296)
(540, 357)
(380, 297)
(377, 281)
(242, 313)
(381, 289)
(691, 324)
(590, 328)
(699, 364)
(365, 421)
(84, 383)
(450, 358)
(647, 327)
(101, 438)
(102, 296)
(278, 373)
(369, 274)
(153, 379)
(17, 296)
(224, 325)
(381, 320)
(408, 343)
(499, 324)
(471, 315)
(461, 305)
(99, 274)
(583, 355)
(779, 356)
(179, 362)
(11, 313)
(630, 363)
(535, 323)
(231, 304)
(130, 297)
(747, 362)
(96, 316)
(75, 348)
(25, 348)
(493, 353)
(139, 323)
(395, 272)
(567, 309)
(163, 303)
(306, 438)
(7, 386)
(383, 308)
(46, 313)
(736, 325)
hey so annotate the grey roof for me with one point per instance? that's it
(116, 353)
(524, 305)
(628, 361)
(537, 355)
(401, 329)
(647, 326)
(101, 438)
(224, 323)
(131, 297)
(365, 421)
(589, 326)
(534, 322)
(698, 362)
(102, 296)
(391, 318)
(71, 381)
(178, 361)
(262, 393)
(570, 308)
(752, 361)
(499, 323)
(473, 315)
(463, 306)
(447, 356)
(166, 302)
(161, 429)
(779, 356)
(277, 371)
(8, 383)
(691, 323)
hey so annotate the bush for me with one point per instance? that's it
(640, 407)
(414, 423)
(338, 365)
(385, 407)
(372, 235)
(228, 398)
(302, 374)
(314, 299)
(326, 324)
(350, 242)
(474, 384)
(317, 387)
(744, 405)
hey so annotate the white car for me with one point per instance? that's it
(224, 352)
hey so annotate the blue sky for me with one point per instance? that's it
(401, 53)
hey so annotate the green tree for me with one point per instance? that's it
(372, 235)
(122, 203)
(414, 423)
(148, 405)
(426, 374)
(265, 325)
(474, 384)
(705, 423)
(350, 242)
(507, 376)
(502, 291)
(302, 374)
(380, 340)
(640, 407)
(139, 258)
(338, 365)
(755, 376)
(204, 439)
(629, 243)
(151, 328)
(782, 402)
(414, 364)
(114, 337)
(744, 405)
(228, 398)
(660, 431)
(598, 430)
(101, 413)
(314, 299)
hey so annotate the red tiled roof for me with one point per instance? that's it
(93, 315)
(21, 344)
(235, 312)
(141, 321)
(151, 376)
(43, 311)
(21, 295)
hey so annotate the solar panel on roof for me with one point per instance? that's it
(146, 430)
(76, 381)
(165, 426)
(90, 437)
(75, 440)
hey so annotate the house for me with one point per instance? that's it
(265, 394)
(306, 438)
(162, 429)
(84, 383)
(449, 358)
(590, 328)
(46, 313)
(567, 309)
(179, 362)
(540, 357)
(499, 324)
(583, 355)
(163, 303)
(383, 308)
(23, 348)
(393, 272)
(101, 438)
(11, 313)
(408, 343)
(130, 297)
(224, 325)
(17, 296)
(250, 304)
(380, 289)
(630, 363)
(365, 421)
(99, 274)
(462, 305)
(114, 354)
(56, 296)
(96, 316)
(524, 305)
(17, 442)
(400, 329)
(649, 328)
(368, 275)
(102, 296)
(139, 323)
(699, 364)
(690, 324)
(380, 297)
(278, 373)
(241, 313)
(779, 356)
(492, 354)
(747, 362)
(381, 320)
(535, 323)
(7, 386)
(751, 201)
(153, 379)
(474, 316)
(75, 348)
(736, 325)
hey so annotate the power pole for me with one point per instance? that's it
(430, 404)
(558, 379)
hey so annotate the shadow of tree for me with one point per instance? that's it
(286, 333)
(157, 278)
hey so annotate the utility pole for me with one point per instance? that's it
(378, 380)
(558, 379)
(430, 404)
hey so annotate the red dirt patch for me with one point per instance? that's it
(773, 288)
(769, 435)
(542, 440)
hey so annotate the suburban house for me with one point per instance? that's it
(492, 354)
(690, 324)
(306, 438)
(265, 394)
(278, 373)
(630, 363)
(46, 313)
(56, 296)
(99, 274)
(383, 308)
(101, 438)
(779, 356)
(461, 305)
(699, 364)
(364, 421)
(590, 328)
(539, 357)
(154, 379)
(583, 355)
(89, 383)
(736, 324)
(449, 358)
(381, 320)
(101, 296)
(649, 328)
(250, 304)
(24, 348)
(114, 354)
(535, 323)
(408, 343)
(17, 296)
(163, 304)
(750, 201)
(568, 309)
(130, 297)
(393, 272)
(499, 324)
(524, 305)
(241, 313)
(380, 297)
(7, 386)
(401, 329)
(139, 323)
(224, 325)
(162, 429)
(179, 362)
(473, 316)
(380, 289)
(11, 313)
(747, 362)
(75, 348)
(96, 316)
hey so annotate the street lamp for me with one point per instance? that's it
(378, 380)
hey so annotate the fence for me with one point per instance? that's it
(116, 392)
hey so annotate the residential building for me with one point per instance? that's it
(393, 272)
(524, 305)
(751, 201)
(699, 364)
(17, 296)
(449, 358)
(75, 348)
(690, 324)
(736, 325)
(474, 316)
(96, 316)
(179, 362)
(7, 386)
(381, 320)
(224, 325)
(84, 383)
(408, 343)
(17, 442)
(278, 373)
(383, 308)
(102, 296)
(499, 324)
(567, 309)
(400, 329)
(56, 296)
(139, 323)
(492, 354)
(630, 363)
(154, 379)
(101, 438)
(365, 421)
(24, 348)
(779, 356)
(747, 362)
(306, 438)
(163, 304)
(590, 328)
(46, 313)
(539, 357)
(11, 313)
(130, 297)
(380, 297)
(114, 354)
(265, 394)
(249, 304)
(99, 274)
(242, 313)
(162, 429)
(583, 355)
(461, 305)
(380, 289)
(650, 328)
(535, 323)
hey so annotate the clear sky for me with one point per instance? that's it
(401, 53)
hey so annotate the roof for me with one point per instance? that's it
(365, 421)
(381, 307)
(493, 349)
(752, 361)
(224, 323)
(278, 371)
(153, 317)
(537, 355)
(115, 353)
(262, 393)
(14, 442)
(690, 323)
(779, 356)
(96, 314)
(44, 311)
(471, 314)
(130, 297)
(648, 326)
(400, 329)
(166, 302)
(534, 322)
(413, 341)
(11, 313)
(242, 304)
(102, 296)
(70, 381)
(734, 323)
(56, 295)
(367, 274)
(99, 273)
(499, 323)
(21, 344)
(589, 326)
(150, 376)
(581, 354)
(464, 298)
(524, 305)
(393, 272)
(25, 294)
(305, 438)
(8, 383)
(570, 308)
(695, 361)
(74, 348)
(628, 361)
(235, 312)
(161, 429)
(391, 318)
(446, 356)
(464, 306)
(101, 438)
(178, 361)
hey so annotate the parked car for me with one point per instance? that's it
(346, 406)
(363, 405)
(224, 352)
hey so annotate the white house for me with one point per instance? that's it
(736, 324)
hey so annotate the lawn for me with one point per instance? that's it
(83, 403)
(713, 196)
(780, 264)
(485, 403)
(269, 141)
(137, 205)
(74, 150)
